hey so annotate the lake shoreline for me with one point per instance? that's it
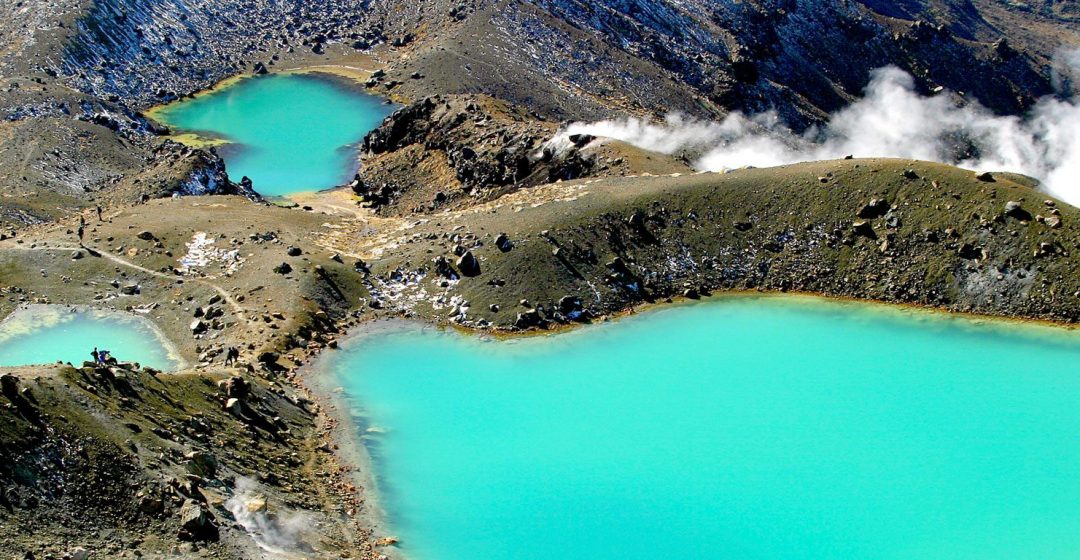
(262, 127)
(34, 310)
(318, 375)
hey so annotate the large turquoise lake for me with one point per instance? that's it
(46, 334)
(288, 133)
(742, 428)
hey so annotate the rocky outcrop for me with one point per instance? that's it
(444, 150)
(122, 462)
(150, 51)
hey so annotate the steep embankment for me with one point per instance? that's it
(889, 230)
(122, 462)
(584, 60)
(451, 152)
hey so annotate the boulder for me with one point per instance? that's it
(864, 229)
(570, 305)
(283, 268)
(9, 385)
(468, 264)
(876, 208)
(195, 523)
(971, 252)
(443, 268)
(294, 251)
(145, 235)
(1015, 210)
(198, 326)
(202, 464)
(232, 406)
(236, 387)
(502, 241)
(527, 319)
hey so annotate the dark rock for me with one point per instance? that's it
(468, 264)
(971, 252)
(986, 177)
(283, 268)
(571, 306)
(145, 235)
(876, 208)
(201, 464)
(528, 319)
(236, 387)
(581, 140)
(864, 229)
(502, 241)
(294, 251)
(195, 523)
(1015, 210)
(443, 268)
(9, 385)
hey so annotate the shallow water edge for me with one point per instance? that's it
(350, 423)
(31, 317)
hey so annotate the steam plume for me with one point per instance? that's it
(891, 120)
(279, 536)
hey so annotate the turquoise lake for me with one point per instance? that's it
(47, 334)
(741, 428)
(288, 133)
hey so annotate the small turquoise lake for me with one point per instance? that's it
(288, 133)
(739, 428)
(47, 334)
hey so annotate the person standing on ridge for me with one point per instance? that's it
(82, 228)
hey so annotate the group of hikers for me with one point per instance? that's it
(103, 357)
(82, 224)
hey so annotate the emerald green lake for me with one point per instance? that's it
(288, 133)
(47, 334)
(741, 428)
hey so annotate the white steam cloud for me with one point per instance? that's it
(891, 120)
(278, 535)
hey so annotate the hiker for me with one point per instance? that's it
(96, 355)
(231, 354)
(99, 218)
(106, 358)
(82, 228)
